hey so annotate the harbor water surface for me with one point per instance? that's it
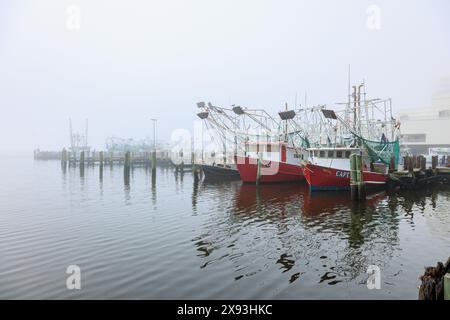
(173, 238)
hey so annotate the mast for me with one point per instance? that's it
(71, 134)
(86, 136)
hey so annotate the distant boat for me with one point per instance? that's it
(220, 171)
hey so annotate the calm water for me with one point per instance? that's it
(176, 239)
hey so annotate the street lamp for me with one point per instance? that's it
(154, 133)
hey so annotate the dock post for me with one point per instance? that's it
(126, 168)
(423, 163)
(410, 164)
(392, 164)
(258, 172)
(64, 159)
(361, 183)
(74, 154)
(100, 159)
(362, 190)
(357, 184)
(447, 286)
(132, 160)
(111, 160)
(92, 158)
(147, 160)
(153, 161)
(195, 170)
(353, 178)
(82, 163)
(434, 162)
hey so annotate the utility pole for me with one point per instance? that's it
(154, 151)
(154, 133)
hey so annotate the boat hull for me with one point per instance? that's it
(219, 173)
(276, 171)
(325, 178)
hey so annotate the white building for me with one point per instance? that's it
(424, 128)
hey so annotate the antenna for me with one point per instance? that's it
(306, 98)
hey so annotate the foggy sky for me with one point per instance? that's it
(134, 60)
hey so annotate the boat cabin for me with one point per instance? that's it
(338, 157)
(279, 151)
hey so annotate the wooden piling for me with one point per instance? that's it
(423, 163)
(447, 286)
(353, 178)
(132, 160)
(258, 172)
(82, 163)
(153, 161)
(64, 159)
(357, 184)
(362, 190)
(147, 161)
(101, 165)
(434, 162)
(435, 282)
(410, 164)
(196, 172)
(74, 155)
(127, 167)
(392, 164)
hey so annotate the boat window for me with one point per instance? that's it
(338, 154)
(330, 154)
(315, 153)
(322, 154)
(269, 148)
(347, 154)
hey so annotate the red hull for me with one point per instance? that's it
(272, 171)
(324, 178)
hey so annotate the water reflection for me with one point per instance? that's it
(221, 240)
(320, 229)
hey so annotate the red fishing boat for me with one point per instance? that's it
(278, 163)
(329, 169)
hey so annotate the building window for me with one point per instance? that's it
(444, 114)
(414, 137)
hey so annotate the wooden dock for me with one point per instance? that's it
(416, 175)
